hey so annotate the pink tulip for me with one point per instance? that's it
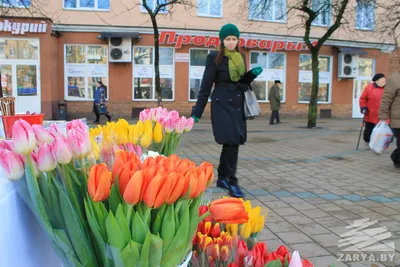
(57, 130)
(153, 114)
(144, 115)
(77, 125)
(42, 135)
(174, 114)
(34, 164)
(46, 160)
(61, 151)
(23, 137)
(189, 124)
(169, 125)
(7, 144)
(80, 143)
(13, 167)
(180, 125)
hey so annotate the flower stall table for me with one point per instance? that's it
(23, 243)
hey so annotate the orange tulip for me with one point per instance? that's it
(161, 160)
(99, 182)
(202, 180)
(148, 162)
(184, 166)
(124, 174)
(229, 211)
(191, 176)
(121, 157)
(171, 163)
(134, 189)
(177, 185)
(209, 171)
(157, 191)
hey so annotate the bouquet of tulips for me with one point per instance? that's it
(157, 130)
(131, 213)
(219, 244)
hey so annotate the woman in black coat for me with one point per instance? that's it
(227, 69)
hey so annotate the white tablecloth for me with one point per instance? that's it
(22, 241)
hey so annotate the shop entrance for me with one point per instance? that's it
(366, 72)
(20, 73)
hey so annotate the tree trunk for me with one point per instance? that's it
(313, 106)
(157, 60)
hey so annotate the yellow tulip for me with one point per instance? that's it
(140, 127)
(122, 136)
(157, 134)
(145, 141)
(148, 126)
(95, 148)
(245, 230)
(260, 225)
(232, 228)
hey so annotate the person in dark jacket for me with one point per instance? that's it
(390, 109)
(99, 102)
(227, 70)
(370, 101)
(274, 98)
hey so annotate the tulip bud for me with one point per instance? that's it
(80, 143)
(34, 164)
(224, 253)
(46, 160)
(180, 125)
(23, 137)
(42, 135)
(61, 151)
(99, 182)
(206, 228)
(229, 211)
(11, 164)
(245, 230)
(157, 134)
(7, 144)
(189, 124)
(77, 125)
(56, 130)
(215, 230)
(145, 141)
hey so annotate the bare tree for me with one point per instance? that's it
(161, 7)
(389, 27)
(24, 8)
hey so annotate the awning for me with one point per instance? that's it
(118, 34)
(352, 50)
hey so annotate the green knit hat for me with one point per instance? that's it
(228, 30)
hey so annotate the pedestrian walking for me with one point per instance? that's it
(99, 102)
(370, 101)
(274, 98)
(390, 109)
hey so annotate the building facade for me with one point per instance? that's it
(44, 62)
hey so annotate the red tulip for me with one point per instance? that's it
(233, 264)
(241, 252)
(225, 253)
(215, 230)
(282, 250)
(206, 228)
(306, 263)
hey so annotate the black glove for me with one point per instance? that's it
(364, 110)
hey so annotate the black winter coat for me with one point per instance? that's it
(227, 101)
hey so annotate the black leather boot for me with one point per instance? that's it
(235, 191)
(223, 183)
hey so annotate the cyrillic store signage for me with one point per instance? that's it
(171, 37)
(22, 27)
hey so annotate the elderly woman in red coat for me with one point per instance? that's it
(370, 102)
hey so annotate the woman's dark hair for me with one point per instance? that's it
(100, 82)
(221, 51)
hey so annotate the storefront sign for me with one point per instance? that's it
(143, 71)
(213, 41)
(75, 71)
(182, 57)
(22, 28)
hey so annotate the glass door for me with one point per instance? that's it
(366, 72)
(27, 89)
(6, 79)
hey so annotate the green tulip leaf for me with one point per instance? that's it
(139, 229)
(131, 254)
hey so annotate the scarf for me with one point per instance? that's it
(236, 64)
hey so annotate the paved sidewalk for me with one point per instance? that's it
(313, 182)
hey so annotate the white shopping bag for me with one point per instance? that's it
(381, 137)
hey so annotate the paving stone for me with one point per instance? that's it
(329, 222)
(310, 250)
(281, 227)
(312, 229)
(328, 207)
(326, 261)
(293, 237)
(301, 206)
(286, 211)
(298, 219)
(315, 213)
(277, 204)
(326, 240)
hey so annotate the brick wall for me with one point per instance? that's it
(123, 109)
(394, 63)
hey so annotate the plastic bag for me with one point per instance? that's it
(251, 107)
(381, 137)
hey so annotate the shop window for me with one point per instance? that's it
(19, 49)
(365, 15)
(274, 69)
(153, 4)
(26, 80)
(143, 73)
(6, 79)
(305, 79)
(323, 9)
(87, 4)
(209, 8)
(15, 3)
(366, 67)
(84, 66)
(197, 66)
(274, 10)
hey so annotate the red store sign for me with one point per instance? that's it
(179, 40)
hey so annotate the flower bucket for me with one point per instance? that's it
(8, 121)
